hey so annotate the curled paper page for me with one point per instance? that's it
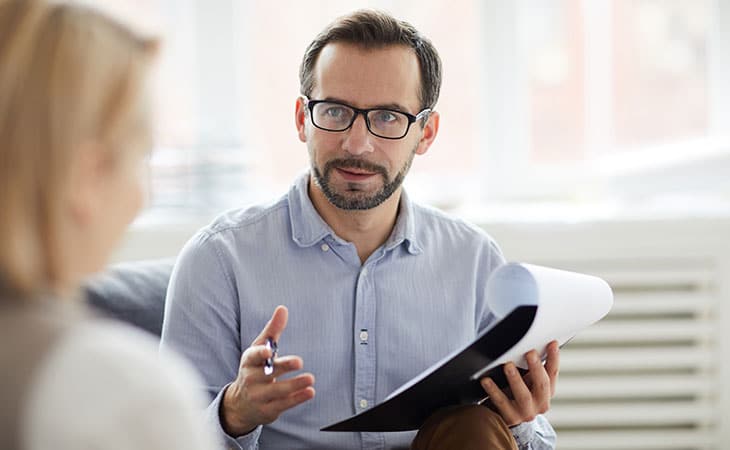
(567, 303)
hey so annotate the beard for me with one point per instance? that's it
(353, 197)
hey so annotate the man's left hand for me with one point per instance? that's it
(530, 396)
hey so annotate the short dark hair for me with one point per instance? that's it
(372, 29)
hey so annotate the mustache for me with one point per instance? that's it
(354, 163)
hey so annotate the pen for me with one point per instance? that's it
(269, 363)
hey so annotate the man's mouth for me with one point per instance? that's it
(354, 174)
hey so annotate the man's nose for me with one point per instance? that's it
(358, 139)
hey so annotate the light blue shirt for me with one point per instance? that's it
(362, 329)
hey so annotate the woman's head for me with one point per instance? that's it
(73, 132)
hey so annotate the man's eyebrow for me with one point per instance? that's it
(393, 106)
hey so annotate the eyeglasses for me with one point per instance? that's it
(382, 122)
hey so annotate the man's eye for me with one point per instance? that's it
(335, 112)
(385, 116)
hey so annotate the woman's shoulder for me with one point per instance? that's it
(105, 385)
(105, 344)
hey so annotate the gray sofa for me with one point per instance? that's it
(132, 292)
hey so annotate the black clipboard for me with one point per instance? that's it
(450, 383)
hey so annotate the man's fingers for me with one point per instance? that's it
(286, 364)
(552, 365)
(274, 392)
(530, 395)
(293, 400)
(501, 402)
(268, 411)
(520, 392)
(254, 358)
(282, 366)
(274, 327)
(539, 382)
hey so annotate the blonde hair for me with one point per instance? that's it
(68, 75)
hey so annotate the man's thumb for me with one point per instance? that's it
(275, 326)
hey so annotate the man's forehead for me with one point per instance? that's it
(368, 77)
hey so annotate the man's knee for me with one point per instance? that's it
(471, 427)
(478, 416)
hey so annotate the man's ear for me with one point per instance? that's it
(300, 118)
(87, 171)
(430, 130)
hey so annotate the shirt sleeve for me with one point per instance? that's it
(245, 442)
(535, 435)
(104, 386)
(202, 322)
(489, 259)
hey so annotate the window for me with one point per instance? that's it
(660, 71)
(563, 100)
(606, 99)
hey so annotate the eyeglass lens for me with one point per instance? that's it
(381, 122)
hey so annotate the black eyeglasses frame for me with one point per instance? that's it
(411, 118)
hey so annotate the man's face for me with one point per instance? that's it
(355, 169)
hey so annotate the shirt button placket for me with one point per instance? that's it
(365, 351)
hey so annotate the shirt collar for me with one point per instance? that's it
(404, 231)
(308, 227)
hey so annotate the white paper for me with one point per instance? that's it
(567, 303)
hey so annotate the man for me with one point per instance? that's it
(378, 288)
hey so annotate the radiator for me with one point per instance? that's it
(655, 372)
(644, 377)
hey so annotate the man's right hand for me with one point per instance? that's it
(254, 398)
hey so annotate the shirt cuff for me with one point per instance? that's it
(246, 442)
(524, 433)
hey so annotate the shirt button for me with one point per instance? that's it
(364, 271)
(325, 247)
(364, 336)
(363, 403)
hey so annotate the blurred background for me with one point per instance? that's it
(592, 135)
(598, 106)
